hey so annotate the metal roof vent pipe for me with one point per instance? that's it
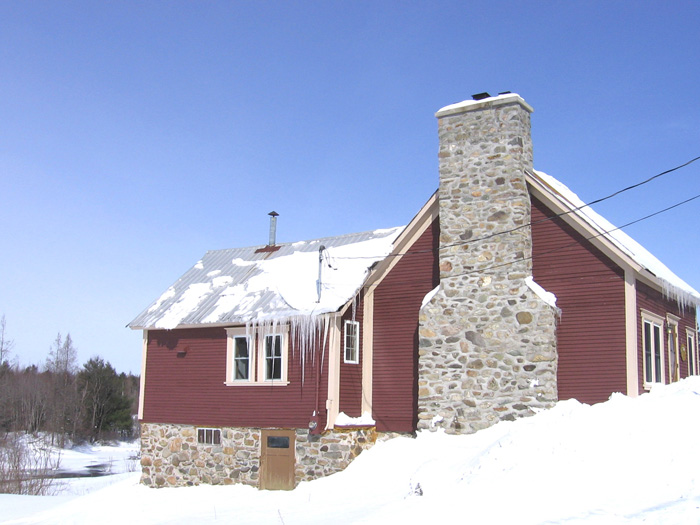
(273, 227)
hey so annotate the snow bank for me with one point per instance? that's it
(620, 462)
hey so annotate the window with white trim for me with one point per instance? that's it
(692, 349)
(652, 348)
(352, 342)
(273, 357)
(240, 357)
(255, 359)
(209, 436)
(674, 358)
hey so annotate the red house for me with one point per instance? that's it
(275, 364)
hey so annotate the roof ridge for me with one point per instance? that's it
(291, 243)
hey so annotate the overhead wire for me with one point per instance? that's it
(531, 223)
(574, 243)
(554, 250)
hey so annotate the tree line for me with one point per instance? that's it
(81, 403)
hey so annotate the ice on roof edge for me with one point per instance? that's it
(673, 286)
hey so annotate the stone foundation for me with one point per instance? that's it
(172, 457)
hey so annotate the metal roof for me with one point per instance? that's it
(242, 285)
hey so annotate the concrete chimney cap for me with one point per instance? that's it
(472, 105)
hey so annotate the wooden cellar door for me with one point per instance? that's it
(277, 459)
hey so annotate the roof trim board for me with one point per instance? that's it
(612, 241)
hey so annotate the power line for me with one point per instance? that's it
(560, 248)
(531, 223)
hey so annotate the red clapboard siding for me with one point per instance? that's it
(350, 373)
(397, 301)
(653, 301)
(191, 390)
(590, 292)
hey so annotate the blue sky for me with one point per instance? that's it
(134, 136)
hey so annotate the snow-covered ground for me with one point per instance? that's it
(623, 461)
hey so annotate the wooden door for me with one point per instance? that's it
(277, 459)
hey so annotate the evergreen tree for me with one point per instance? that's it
(106, 408)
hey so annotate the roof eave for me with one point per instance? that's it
(410, 234)
(551, 199)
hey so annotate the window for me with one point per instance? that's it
(209, 436)
(692, 350)
(256, 359)
(352, 342)
(652, 344)
(273, 357)
(277, 442)
(674, 361)
(241, 358)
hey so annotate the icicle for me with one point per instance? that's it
(684, 298)
(326, 322)
(305, 334)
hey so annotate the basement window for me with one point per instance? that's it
(209, 436)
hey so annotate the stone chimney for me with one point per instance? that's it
(487, 348)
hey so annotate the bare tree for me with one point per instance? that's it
(32, 400)
(62, 366)
(63, 357)
(6, 344)
(26, 465)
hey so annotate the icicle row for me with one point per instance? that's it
(305, 332)
(684, 298)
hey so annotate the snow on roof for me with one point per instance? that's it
(365, 420)
(673, 286)
(246, 285)
(548, 297)
(465, 105)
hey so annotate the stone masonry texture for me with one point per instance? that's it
(172, 457)
(487, 343)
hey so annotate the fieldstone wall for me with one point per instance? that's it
(487, 347)
(320, 455)
(171, 456)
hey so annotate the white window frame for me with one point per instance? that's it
(209, 434)
(653, 321)
(256, 353)
(674, 355)
(691, 338)
(263, 358)
(232, 335)
(354, 358)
